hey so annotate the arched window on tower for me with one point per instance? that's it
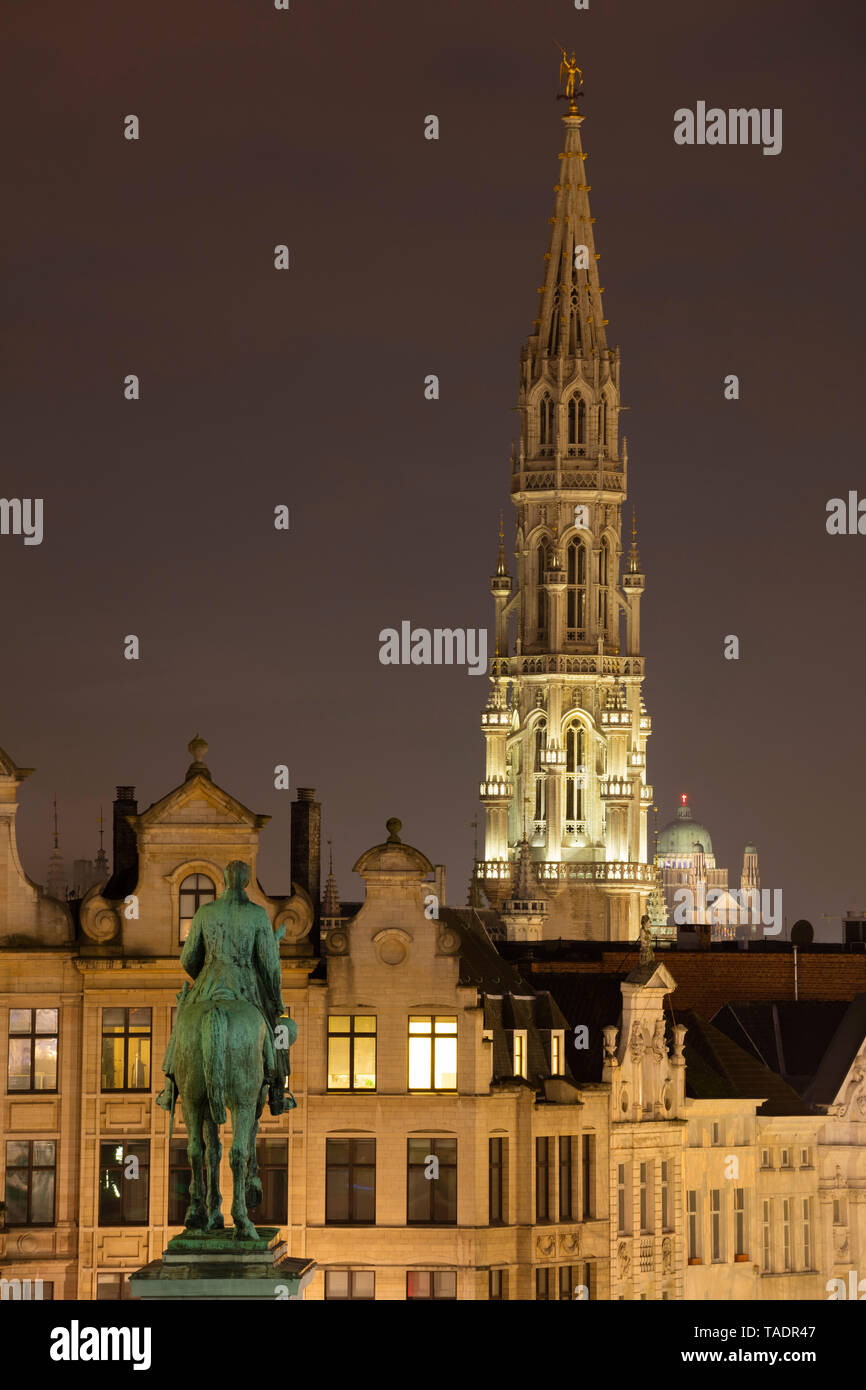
(539, 742)
(545, 420)
(602, 424)
(581, 421)
(574, 334)
(572, 421)
(575, 772)
(541, 594)
(575, 601)
(603, 587)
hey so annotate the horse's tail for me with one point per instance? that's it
(214, 1035)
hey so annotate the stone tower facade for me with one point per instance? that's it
(565, 725)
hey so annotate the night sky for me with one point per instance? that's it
(305, 387)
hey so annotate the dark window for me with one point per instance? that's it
(33, 1037)
(179, 1178)
(124, 1183)
(195, 890)
(126, 1049)
(358, 1284)
(567, 1281)
(566, 1178)
(272, 1156)
(496, 1187)
(584, 1280)
(30, 1177)
(542, 1179)
(432, 1182)
(350, 1182)
(543, 1284)
(430, 1283)
(498, 1285)
(112, 1286)
(352, 1052)
(588, 1175)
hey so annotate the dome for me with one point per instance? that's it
(680, 836)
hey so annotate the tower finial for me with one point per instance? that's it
(567, 68)
(331, 902)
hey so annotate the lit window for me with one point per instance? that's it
(438, 1283)
(352, 1052)
(195, 890)
(557, 1044)
(519, 1053)
(33, 1049)
(433, 1053)
(126, 1049)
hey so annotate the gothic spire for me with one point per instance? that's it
(571, 318)
(331, 902)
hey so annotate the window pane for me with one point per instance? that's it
(42, 1197)
(139, 1019)
(337, 1194)
(418, 1284)
(113, 1020)
(445, 1283)
(365, 1194)
(446, 1064)
(139, 1063)
(17, 1153)
(418, 1197)
(365, 1063)
(338, 1064)
(19, 1064)
(420, 1025)
(365, 1150)
(338, 1023)
(43, 1153)
(337, 1150)
(418, 1150)
(419, 1063)
(446, 1025)
(112, 1064)
(19, 1020)
(273, 1152)
(365, 1023)
(46, 1020)
(445, 1195)
(45, 1070)
(135, 1197)
(16, 1196)
(336, 1283)
(364, 1284)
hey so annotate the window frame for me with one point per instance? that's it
(412, 1165)
(102, 1167)
(433, 1019)
(30, 1169)
(127, 1009)
(32, 1037)
(352, 1034)
(352, 1186)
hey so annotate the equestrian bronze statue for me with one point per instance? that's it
(229, 1049)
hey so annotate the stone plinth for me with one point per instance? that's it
(212, 1264)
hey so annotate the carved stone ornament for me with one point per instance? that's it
(624, 1258)
(99, 920)
(545, 1246)
(667, 1255)
(569, 1244)
(637, 1042)
(609, 1034)
(392, 947)
(337, 942)
(449, 941)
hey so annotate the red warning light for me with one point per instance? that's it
(683, 798)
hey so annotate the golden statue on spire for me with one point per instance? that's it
(567, 68)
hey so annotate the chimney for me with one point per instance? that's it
(306, 844)
(125, 843)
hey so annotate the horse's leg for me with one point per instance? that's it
(243, 1127)
(195, 1212)
(254, 1186)
(213, 1154)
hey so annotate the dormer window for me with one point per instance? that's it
(557, 1051)
(520, 1052)
(194, 890)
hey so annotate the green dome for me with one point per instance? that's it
(680, 836)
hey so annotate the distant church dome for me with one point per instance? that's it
(680, 836)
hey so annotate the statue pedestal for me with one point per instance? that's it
(212, 1264)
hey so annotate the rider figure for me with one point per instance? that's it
(226, 964)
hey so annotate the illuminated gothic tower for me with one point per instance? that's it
(565, 724)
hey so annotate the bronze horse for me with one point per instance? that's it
(223, 1055)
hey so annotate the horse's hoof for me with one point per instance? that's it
(216, 1223)
(254, 1193)
(245, 1230)
(194, 1220)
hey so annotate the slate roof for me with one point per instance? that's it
(811, 1043)
(717, 1068)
